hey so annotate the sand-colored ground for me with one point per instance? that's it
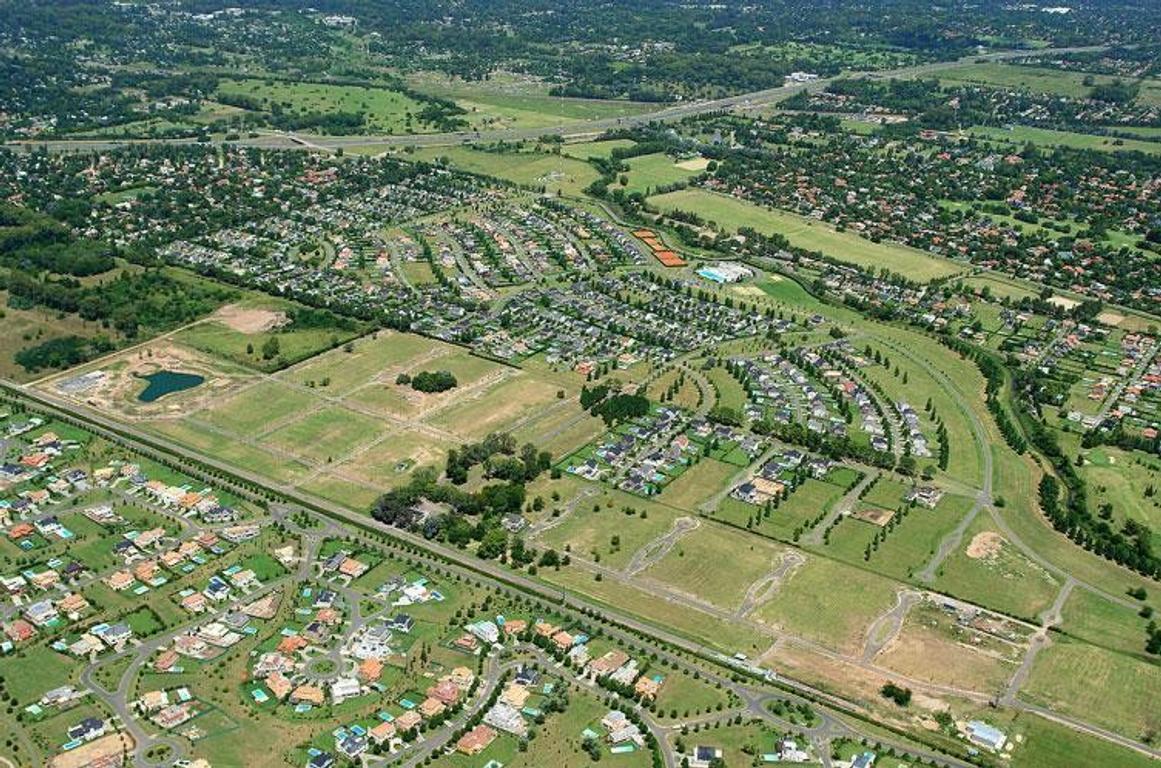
(249, 320)
(118, 389)
(104, 747)
(985, 545)
(694, 164)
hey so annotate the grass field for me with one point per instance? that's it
(1021, 134)
(512, 101)
(731, 213)
(1099, 621)
(694, 565)
(1121, 478)
(809, 606)
(217, 338)
(730, 637)
(697, 484)
(1100, 686)
(649, 172)
(499, 407)
(386, 110)
(254, 409)
(326, 434)
(583, 150)
(370, 357)
(590, 529)
(1035, 79)
(533, 169)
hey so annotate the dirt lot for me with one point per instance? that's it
(249, 320)
(985, 546)
(117, 390)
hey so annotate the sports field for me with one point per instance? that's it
(647, 173)
(731, 213)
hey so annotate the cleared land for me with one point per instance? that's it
(386, 110)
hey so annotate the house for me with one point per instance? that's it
(88, 729)
(702, 756)
(865, 760)
(41, 613)
(407, 721)
(370, 670)
(195, 602)
(73, 604)
(648, 687)
(462, 678)
(113, 634)
(515, 695)
(431, 707)
(165, 661)
(279, 685)
(352, 568)
(621, 729)
(476, 740)
(351, 745)
(381, 733)
(445, 691)
(506, 718)
(401, 623)
(344, 688)
(321, 760)
(608, 663)
(985, 735)
(119, 580)
(308, 694)
(19, 630)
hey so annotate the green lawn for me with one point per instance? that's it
(809, 605)
(386, 110)
(649, 172)
(1100, 686)
(533, 169)
(1021, 134)
(731, 213)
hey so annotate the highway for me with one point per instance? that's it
(577, 129)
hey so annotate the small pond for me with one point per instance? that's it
(165, 383)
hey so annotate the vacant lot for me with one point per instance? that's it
(499, 407)
(326, 434)
(369, 358)
(648, 173)
(694, 565)
(810, 606)
(989, 570)
(1100, 686)
(731, 213)
(698, 483)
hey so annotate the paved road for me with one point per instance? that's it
(570, 130)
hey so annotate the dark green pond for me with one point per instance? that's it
(165, 383)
